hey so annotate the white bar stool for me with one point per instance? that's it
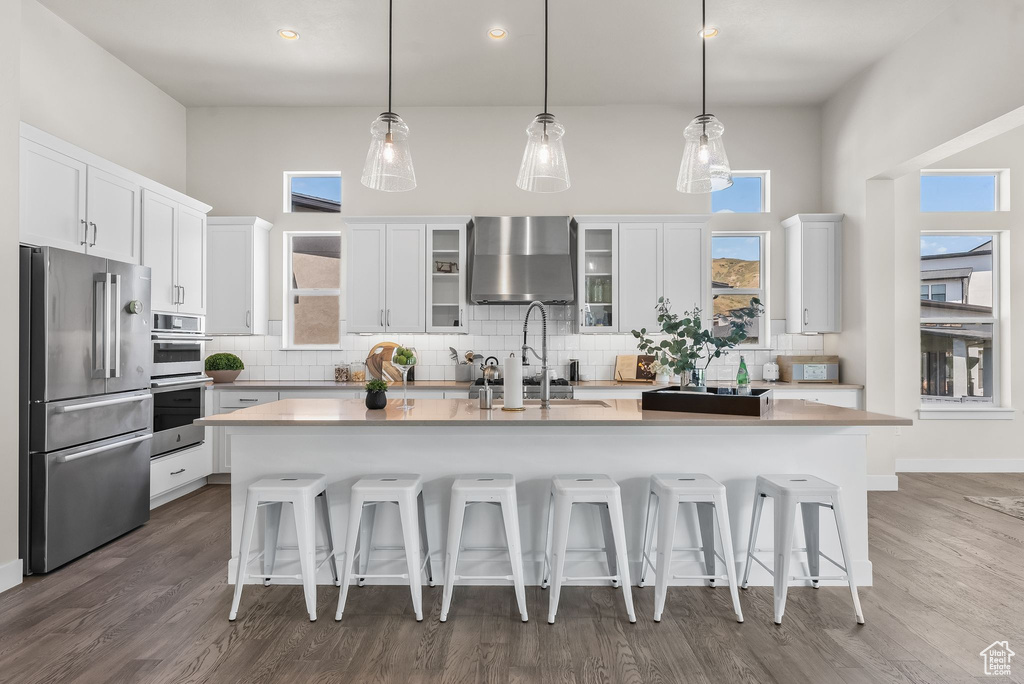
(812, 493)
(303, 492)
(667, 492)
(405, 490)
(495, 489)
(602, 491)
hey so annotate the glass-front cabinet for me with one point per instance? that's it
(446, 279)
(598, 281)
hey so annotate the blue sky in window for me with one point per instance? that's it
(747, 248)
(742, 197)
(324, 187)
(958, 193)
(950, 244)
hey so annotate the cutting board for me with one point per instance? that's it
(634, 368)
(378, 363)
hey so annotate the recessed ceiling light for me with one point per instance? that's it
(708, 32)
(497, 33)
(288, 34)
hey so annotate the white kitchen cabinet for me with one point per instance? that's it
(113, 216)
(226, 401)
(167, 473)
(813, 273)
(53, 197)
(446, 281)
(237, 275)
(366, 277)
(597, 277)
(174, 247)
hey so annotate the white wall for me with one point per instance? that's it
(621, 160)
(76, 90)
(10, 567)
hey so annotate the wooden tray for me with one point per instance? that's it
(757, 403)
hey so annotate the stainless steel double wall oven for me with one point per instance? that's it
(178, 382)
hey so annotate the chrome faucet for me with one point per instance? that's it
(545, 383)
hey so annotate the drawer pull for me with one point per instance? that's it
(177, 472)
(250, 400)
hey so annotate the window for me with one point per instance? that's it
(737, 275)
(959, 321)
(312, 291)
(964, 190)
(748, 194)
(312, 191)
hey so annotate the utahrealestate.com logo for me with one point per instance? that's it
(997, 658)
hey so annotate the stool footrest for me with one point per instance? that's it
(262, 576)
(818, 578)
(404, 576)
(613, 578)
(483, 577)
(701, 577)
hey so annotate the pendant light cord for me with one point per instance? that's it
(703, 58)
(391, 12)
(545, 57)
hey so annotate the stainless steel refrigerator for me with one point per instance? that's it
(86, 408)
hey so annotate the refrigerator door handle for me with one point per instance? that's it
(73, 408)
(101, 449)
(116, 315)
(101, 322)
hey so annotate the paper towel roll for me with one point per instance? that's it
(513, 382)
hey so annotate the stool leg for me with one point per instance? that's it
(305, 531)
(622, 556)
(725, 532)
(425, 540)
(366, 527)
(271, 527)
(248, 527)
(510, 515)
(755, 522)
(411, 533)
(652, 512)
(456, 517)
(706, 518)
(668, 513)
(325, 524)
(558, 542)
(546, 571)
(785, 530)
(844, 544)
(609, 542)
(355, 514)
(811, 513)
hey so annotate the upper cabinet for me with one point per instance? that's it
(174, 248)
(597, 277)
(237, 266)
(52, 198)
(113, 211)
(446, 280)
(813, 273)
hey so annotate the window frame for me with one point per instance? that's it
(289, 293)
(1001, 201)
(763, 340)
(997, 408)
(289, 175)
(766, 203)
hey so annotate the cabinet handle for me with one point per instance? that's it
(247, 316)
(177, 472)
(382, 318)
(85, 233)
(243, 399)
(806, 319)
(95, 231)
(461, 321)
(389, 318)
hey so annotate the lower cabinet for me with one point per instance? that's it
(174, 470)
(227, 401)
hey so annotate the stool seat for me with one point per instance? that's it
(483, 483)
(287, 487)
(584, 485)
(685, 484)
(799, 485)
(387, 485)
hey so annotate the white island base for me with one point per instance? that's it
(533, 452)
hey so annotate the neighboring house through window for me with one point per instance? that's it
(312, 290)
(312, 191)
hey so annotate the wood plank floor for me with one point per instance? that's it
(152, 607)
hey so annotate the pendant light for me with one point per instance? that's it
(389, 163)
(544, 168)
(705, 167)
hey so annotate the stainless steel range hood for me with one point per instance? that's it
(520, 259)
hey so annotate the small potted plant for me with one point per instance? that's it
(376, 394)
(224, 367)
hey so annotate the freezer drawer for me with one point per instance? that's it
(63, 424)
(84, 497)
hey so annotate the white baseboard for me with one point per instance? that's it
(883, 483)
(960, 465)
(176, 493)
(10, 574)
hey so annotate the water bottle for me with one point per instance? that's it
(742, 379)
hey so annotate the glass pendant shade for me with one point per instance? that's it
(544, 168)
(389, 163)
(705, 167)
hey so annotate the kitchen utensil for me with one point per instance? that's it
(454, 355)
(634, 368)
(379, 365)
(486, 398)
(491, 372)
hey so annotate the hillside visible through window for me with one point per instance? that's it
(735, 267)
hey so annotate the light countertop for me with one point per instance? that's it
(453, 385)
(465, 412)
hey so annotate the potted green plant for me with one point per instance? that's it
(376, 394)
(224, 367)
(687, 347)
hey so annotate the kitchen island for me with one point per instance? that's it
(442, 438)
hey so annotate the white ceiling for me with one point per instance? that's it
(227, 52)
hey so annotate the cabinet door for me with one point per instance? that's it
(191, 261)
(685, 262)
(405, 267)
(159, 224)
(819, 277)
(446, 279)
(113, 211)
(597, 276)
(229, 265)
(52, 198)
(640, 275)
(366, 277)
